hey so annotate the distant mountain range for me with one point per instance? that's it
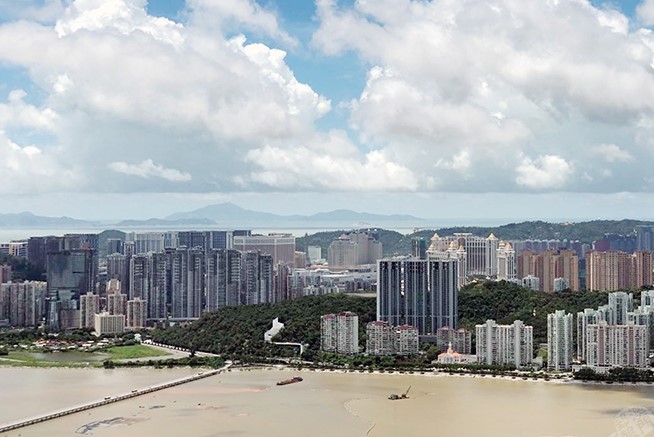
(222, 214)
(29, 220)
(155, 222)
(228, 212)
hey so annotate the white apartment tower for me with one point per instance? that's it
(584, 318)
(559, 341)
(340, 333)
(379, 338)
(506, 263)
(328, 333)
(505, 344)
(348, 333)
(620, 303)
(406, 340)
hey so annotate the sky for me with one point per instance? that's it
(472, 109)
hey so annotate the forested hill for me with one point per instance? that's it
(505, 302)
(395, 243)
(238, 331)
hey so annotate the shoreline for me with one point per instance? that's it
(432, 374)
(285, 367)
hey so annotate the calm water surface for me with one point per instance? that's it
(250, 404)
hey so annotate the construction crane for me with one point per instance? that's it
(395, 397)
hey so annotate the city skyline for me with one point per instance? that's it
(306, 107)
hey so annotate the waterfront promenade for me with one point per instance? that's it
(111, 399)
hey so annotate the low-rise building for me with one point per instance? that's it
(106, 323)
(459, 339)
(452, 357)
(384, 339)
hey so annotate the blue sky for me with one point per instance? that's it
(135, 108)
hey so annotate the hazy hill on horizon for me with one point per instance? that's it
(229, 212)
(27, 219)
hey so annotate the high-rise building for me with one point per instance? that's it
(114, 245)
(505, 344)
(586, 317)
(480, 252)
(561, 284)
(207, 240)
(548, 265)
(136, 313)
(118, 267)
(506, 262)
(138, 276)
(340, 333)
(281, 283)
(187, 282)
(328, 333)
(617, 345)
(420, 293)
(641, 269)
(314, 253)
(348, 333)
(70, 274)
(159, 284)
(145, 242)
(23, 304)
(419, 248)
(280, 246)
(406, 340)
(531, 282)
(257, 280)
(645, 237)
(116, 304)
(643, 315)
(223, 286)
(647, 298)
(612, 271)
(620, 303)
(353, 249)
(380, 338)
(559, 341)
(5, 273)
(89, 307)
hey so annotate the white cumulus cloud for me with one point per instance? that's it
(545, 172)
(148, 168)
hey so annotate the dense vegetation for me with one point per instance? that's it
(22, 270)
(238, 331)
(191, 361)
(505, 302)
(395, 243)
(618, 374)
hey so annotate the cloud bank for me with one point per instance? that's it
(460, 96)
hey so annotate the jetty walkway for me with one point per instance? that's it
(111, 399)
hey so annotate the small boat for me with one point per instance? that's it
(293, 380)
(396, 397)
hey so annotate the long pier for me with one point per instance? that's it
(110, 400)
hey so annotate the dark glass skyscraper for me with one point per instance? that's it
(70, 274)
(417, 292)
